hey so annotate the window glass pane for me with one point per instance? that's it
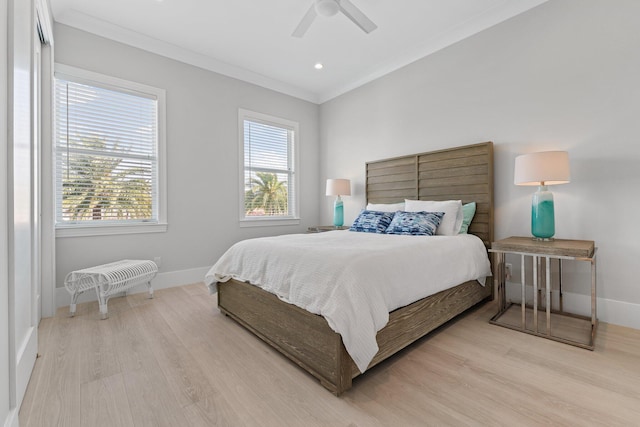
(106, 145)
(125, 121)
(96, 187)
(265, 146)
(266, 193)
(268, 181)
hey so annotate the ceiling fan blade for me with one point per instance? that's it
(356, 15)
(306, 22)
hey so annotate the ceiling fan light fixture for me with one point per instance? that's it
(327, 7)
(330, 8)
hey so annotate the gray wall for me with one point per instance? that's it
(202, 157)
(562, 76)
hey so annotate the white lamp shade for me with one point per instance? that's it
(338, 187)
(543, 168)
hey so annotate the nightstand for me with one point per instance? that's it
(323, 228)
(567, 328)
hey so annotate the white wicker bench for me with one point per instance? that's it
(109, 279)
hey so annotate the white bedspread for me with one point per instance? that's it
(353, 279)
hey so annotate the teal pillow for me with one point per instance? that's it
(468, 211)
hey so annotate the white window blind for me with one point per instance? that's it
(269, 176)
(106, 151)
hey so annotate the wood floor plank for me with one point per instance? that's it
(56, 378)
(214, 410)
(150, 396)
(44, 341)
(175, 360)
(194, 289)
(435, 394)
(105, 404)
(134, 350)
(100, 359)
(529, 385)
(177, 364)
(194, 327)
(223, 373)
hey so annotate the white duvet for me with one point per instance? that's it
(353, 279)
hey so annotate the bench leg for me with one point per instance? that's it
(102, 302)
(104, 314)
(72, 306)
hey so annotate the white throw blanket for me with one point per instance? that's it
(353, 279)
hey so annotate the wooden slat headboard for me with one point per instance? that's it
(460, 173)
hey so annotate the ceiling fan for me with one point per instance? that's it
(330, 8)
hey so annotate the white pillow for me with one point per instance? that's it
(452, 221)
(385, 207)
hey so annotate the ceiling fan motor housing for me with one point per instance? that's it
(327, 7)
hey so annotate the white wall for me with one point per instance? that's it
(563, 76)
(202, 154)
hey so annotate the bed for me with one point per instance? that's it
(464, 173)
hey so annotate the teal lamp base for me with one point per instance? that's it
(542, 215)
(338, 213)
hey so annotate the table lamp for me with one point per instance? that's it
(338, 187)
(542, 169)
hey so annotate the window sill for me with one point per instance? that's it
(109, 230)
(270, 222)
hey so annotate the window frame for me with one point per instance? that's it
(259, 221)
(91, 228)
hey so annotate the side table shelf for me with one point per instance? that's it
(537, 319)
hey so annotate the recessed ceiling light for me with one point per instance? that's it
(318, 66)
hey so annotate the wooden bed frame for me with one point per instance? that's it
(464, 173)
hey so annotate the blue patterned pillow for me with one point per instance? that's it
(372, 221)
(415, 223)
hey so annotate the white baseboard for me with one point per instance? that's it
(161, 281)
(608, 310)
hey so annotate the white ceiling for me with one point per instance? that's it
(251, 39)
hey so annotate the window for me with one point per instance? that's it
(109, 155)
(268, 170)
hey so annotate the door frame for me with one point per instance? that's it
(47, 226)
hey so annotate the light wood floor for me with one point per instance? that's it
(176, 361)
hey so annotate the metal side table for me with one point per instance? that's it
(567, 328)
